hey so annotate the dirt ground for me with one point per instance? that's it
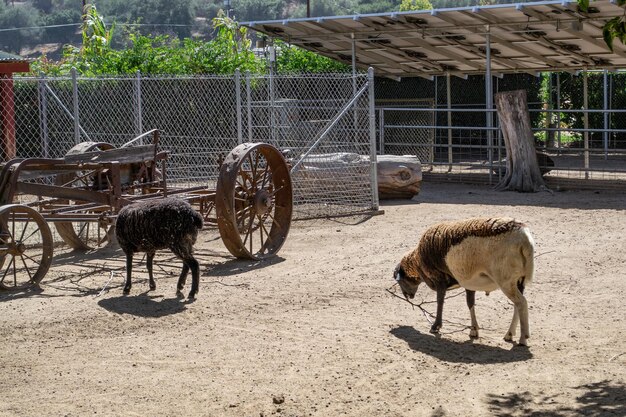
(314, 332)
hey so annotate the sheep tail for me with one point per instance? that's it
(528, 254)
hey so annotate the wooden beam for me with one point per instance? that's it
(11, 67)
(7, 115)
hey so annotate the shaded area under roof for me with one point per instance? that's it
(523, 37)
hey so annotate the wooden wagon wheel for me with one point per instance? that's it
(82, 235)
(25, 247)
(253, 201)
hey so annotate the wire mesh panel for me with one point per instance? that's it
(408, 128)
(322, 125)
(197, 117)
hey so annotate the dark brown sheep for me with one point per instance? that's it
(151, 225)
(481, 254)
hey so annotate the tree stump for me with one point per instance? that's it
(398, 176)
(522, 169)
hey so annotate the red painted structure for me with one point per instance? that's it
(9, 64)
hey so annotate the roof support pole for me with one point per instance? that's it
(353, 55)
(489, 101)
(586, 121)
(605, 134)
(558, 114)
(449, 104)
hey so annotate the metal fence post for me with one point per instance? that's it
(449, 113)
(138, 109)
(586, 122)
(43, 116)
(238, 104)
(372, 129)
(605, 134)
(558, 115)
(381, 131)
(75, 101)
(489, 102)
(272, 104)
(249, 105)
(355, 116)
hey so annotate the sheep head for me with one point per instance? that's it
(407, 283)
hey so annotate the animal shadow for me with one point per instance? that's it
(450, 351)
(143, 305)
(238, 266)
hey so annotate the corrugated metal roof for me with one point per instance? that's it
(7, 57)
(524, 37)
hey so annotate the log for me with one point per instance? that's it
(522, 169)
(398, 176)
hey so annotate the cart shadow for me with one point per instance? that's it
(144, 305)
(239, 266)
(466, 352)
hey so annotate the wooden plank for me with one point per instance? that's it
(122, 155)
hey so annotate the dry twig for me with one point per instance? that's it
(429, 316)
(105, 285)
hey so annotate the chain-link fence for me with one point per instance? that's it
(579, 129)
(323, 125)
(321, 122)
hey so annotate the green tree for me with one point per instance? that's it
(159, 54)
(327, 8)
(247, 10)
(159, 16)
(615, 28)
(292, 59)
(63, 34)
(408, 5)
(43, 5)
(377, 6)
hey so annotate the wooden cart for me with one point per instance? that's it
(82, 193)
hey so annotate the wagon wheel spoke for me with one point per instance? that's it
(26, 268)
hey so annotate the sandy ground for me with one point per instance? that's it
(314, 332)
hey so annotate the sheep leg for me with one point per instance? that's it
(470, 296)
(513, 327)
(515, 294)
(441, 296)
(129, 268)
(149, 261)
(183, 277)
(195, 277)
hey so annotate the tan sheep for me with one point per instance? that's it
(480, 254)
